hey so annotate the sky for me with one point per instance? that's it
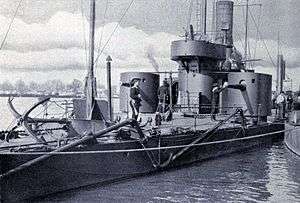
(48, 38)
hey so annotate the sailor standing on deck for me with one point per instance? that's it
(214, 101)
(163, 97)
(135, 98)
(215, 98)
(281, 102)
(163, 94)
(289, 100)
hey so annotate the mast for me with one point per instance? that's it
(213, 25)
(199, 16)
(205, 17)
(92, 108)
(109, 96)
(92, 38)
(278, 65)
(278, 43)
(246, 33)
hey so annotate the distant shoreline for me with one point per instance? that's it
(42, 95)
(39, 95)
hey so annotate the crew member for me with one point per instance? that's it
(289, 102)
(135, 98)
(215, 98)
(281, 101)
(274, 96)
(163, 97)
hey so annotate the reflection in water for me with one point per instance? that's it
(286, 174)
(266, 174)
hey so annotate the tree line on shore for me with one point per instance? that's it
(47, 87)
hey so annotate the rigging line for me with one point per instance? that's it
(189, 16)
(260, 36)
(239, 37)
(244, 18)
(104, 21)
(10, 25)
(10, 126)
(84, 32)
(38, 114)
(237, 32)
(249, 54)
(256, 37)
(115, 29)
(102, 31)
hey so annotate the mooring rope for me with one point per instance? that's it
(10, 25)
(150, 148)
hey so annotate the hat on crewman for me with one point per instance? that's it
(165, 82)
(215, 84)
(133, 80)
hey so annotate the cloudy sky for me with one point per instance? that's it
(47, 39)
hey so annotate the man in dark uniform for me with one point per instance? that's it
(163, 97)
(135, 98)
(164, 100)
(289, 101)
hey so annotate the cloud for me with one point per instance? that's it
(258, 50)
(291, 56)
(63, 30)
(60, 43)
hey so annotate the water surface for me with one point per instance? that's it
(259, 175)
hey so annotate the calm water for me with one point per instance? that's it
(266, 174)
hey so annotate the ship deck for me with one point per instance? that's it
(179, 123)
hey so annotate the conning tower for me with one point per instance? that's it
(204, 64)
(199, 60)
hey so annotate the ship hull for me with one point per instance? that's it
(67, 171)
(292, 141)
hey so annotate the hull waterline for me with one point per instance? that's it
(292, 141)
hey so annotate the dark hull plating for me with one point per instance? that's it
(292, 141)
(67, 171)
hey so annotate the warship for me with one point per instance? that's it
(292, 105)
(217, 106)
(292, 139)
